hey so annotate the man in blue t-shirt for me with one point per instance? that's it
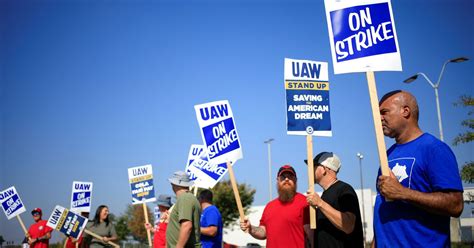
(424, 185)
(211, 221)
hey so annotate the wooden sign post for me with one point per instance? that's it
(378, 56)
(309, 146)
(195, 190)
(22, 224)
(377, 124)
(236, 191)
(148, 234)
(100, 238)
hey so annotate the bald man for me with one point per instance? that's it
(424, 183)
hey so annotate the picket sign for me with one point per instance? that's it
(309, 146)
(308, 109)
(10, 202)
(81, 196)
(376, 46)
(100, 238)
(141, 185)
(171, 209)
(219, 135)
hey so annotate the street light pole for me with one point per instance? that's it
(435, 87)
(268, 142)
(360, 156)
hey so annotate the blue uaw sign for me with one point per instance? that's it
(307, 98)
(67, 222)
(141, 184)
(11, 202)
(195, 152)
(81, 197)
(218, 131)
(362, 36)
(207, 173)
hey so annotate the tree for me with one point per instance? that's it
(467, 171)
(1, 241)
(121, 227)
(224, 200)
(135, 220)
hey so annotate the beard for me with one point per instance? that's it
(286, 192)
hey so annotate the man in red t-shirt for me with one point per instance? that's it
(284, 219)
(39, 233)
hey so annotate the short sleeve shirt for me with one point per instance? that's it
(342, 197)
(425, 164)
(284, 222)
(37, 230)
(186, 208)
(211, 217)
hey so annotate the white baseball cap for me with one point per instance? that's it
(327, 159)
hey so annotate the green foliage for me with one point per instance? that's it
(467, 171)
(121, 227)
(224, 200)
(135, 220)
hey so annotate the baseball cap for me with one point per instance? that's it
(36, 210)
(327, 159)
(164, 200)
(286, 168)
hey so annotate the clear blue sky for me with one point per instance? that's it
(91, 88)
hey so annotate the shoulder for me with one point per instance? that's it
(342, 188)
(345, 186)
(42, 223)
(300, 198)
(432, 146)
(429, 141)
(272, 203)
(213, 208)
(300, 201)
(211, 211)
(187, 199)
(32, 226)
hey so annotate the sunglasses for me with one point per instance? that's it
(285, 176)
(36, 213)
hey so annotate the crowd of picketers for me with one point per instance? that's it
(413, 206)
